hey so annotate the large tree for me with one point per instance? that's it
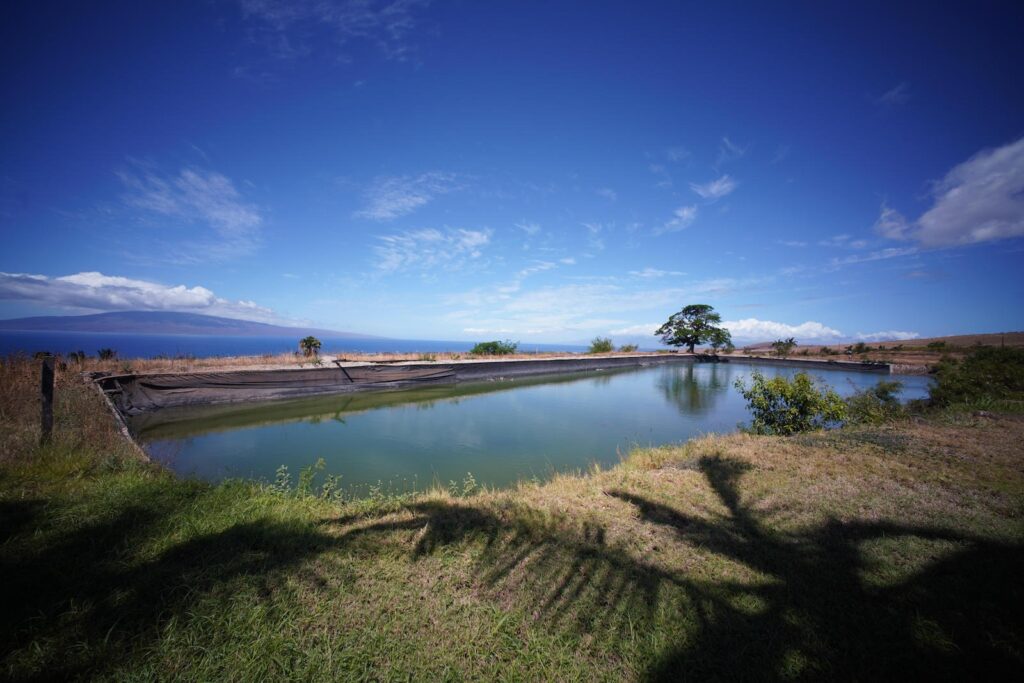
(695, 324)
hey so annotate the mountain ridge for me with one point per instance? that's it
(166, 322)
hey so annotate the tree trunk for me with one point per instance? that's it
(691, 347)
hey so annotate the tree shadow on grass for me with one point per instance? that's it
(954, 619)
(85, 592)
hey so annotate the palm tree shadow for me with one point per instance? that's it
(821, 619)
(816, 616)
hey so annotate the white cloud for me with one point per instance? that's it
(888, 335)
(880, 255)
(574, 311)
(388, 24)
(895, 96)
(429, 249)
(608, 193)
(649, 272)
(567, 261)
(645, 329)
(752, 329)
(792, 243)
(529, 228)
(980, 200)
(683, 218)
(388, 198)
(200, 197)
(93, 291)
(715, 189)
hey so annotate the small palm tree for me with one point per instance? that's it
(310, 346)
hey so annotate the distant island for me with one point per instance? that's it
(166, 322)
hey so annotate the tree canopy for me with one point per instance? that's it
(310, 346)
(695, 324)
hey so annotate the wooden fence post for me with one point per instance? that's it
(46, 398)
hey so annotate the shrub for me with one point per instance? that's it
(782, 347)
(986, 375)
(601, 345)
(628, 348)
(936, 345)
(877, 404)
(107, 354)
(494, 348)
(828, 351)
(789, 406)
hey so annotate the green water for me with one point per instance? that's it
(501, 431)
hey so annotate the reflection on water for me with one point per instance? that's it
(501, 431)
(695, 389)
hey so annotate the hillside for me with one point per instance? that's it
(166, 322)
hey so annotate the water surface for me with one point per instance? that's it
(501, 431)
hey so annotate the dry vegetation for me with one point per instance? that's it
(911, 356)
(865, 553)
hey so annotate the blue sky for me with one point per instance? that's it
(543, 172)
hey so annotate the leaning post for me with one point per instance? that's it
(46, 398)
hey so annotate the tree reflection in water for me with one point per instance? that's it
(695, 390)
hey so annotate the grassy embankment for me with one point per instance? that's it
(865, 553)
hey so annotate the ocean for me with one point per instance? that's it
(152, 345)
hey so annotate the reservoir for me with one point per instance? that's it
(501, 431)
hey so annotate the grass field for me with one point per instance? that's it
(859, 554)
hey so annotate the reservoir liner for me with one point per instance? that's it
(135, 394)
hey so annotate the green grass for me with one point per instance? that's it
(872, 552)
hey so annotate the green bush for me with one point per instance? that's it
(987, 375)
(494, 348)
(876, 405)
(601, 345)
(788, 406)
(628, 348)
(783, 347)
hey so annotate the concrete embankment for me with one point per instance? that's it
(140, 393)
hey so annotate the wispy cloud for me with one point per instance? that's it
(677, 153)
(197, 196)
(594, 239)
(388, 198)
(608, 193)
(896, 96)
(842, 242)
(285, 26)
(682, 218)
(752, 329)
(92, 292)
(880, 255)
(649, 273)
(980, 200)
(664, 179)
(792, 243)
(728, 151)
(529, 228)
(573, 310)
(424, 250)
(715, 189)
